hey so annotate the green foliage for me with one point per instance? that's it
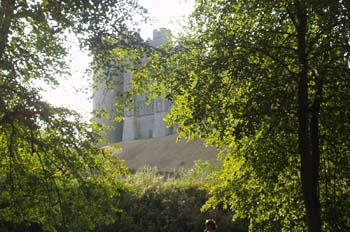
(266, 82)
(56, 178)
(52, 174)
(152, 204)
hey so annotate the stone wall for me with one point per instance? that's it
(143, 123)
(104, 98)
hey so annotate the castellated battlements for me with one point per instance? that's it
(143, 123)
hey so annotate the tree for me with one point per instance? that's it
(266, 83)
(52, 173)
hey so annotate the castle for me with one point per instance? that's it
(144, 122)
(134, 133)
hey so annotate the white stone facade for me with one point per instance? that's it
(143, 123)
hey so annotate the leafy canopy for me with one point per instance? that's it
(52, 174)
(262, 80)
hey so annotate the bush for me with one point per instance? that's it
(152, 204)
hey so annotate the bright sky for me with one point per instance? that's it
(75, 92)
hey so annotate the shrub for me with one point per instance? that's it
(152, 204)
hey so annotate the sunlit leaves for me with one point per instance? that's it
(234, 82)
(52, 173)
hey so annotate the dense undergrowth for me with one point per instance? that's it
(152, 204)
(147, 202)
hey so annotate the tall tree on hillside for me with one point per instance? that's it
(267, 82)
(46, 153)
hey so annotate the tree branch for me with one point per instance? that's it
(7, 9)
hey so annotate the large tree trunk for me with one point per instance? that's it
(308, 136)
(7, 8)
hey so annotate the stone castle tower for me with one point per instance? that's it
(143, 123)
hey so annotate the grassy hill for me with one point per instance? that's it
(164, 153)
